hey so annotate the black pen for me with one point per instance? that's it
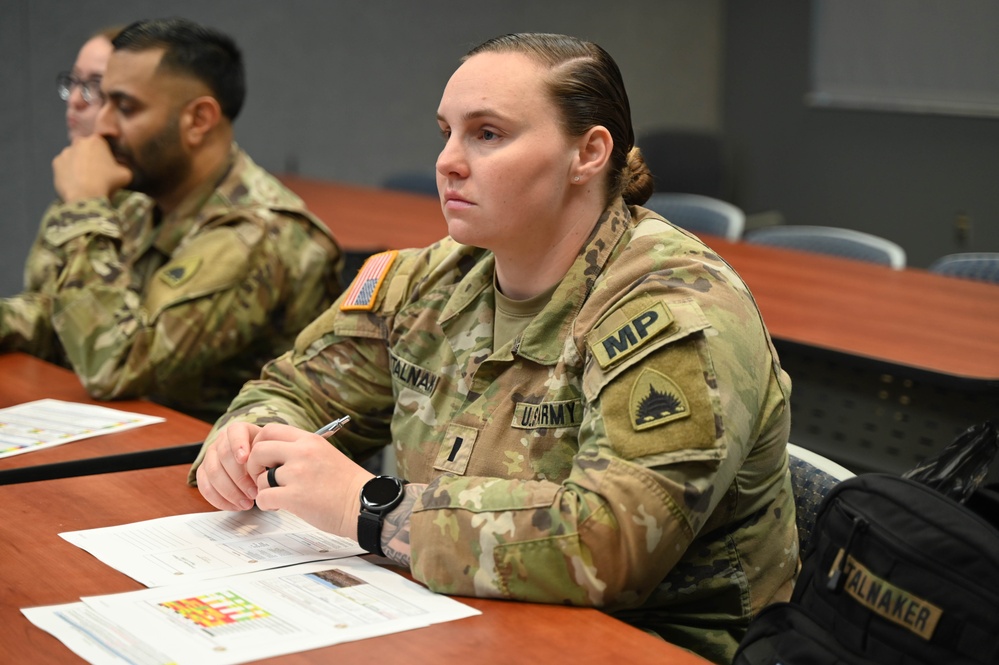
(326, 431)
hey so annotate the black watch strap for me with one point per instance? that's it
(378, 497)
(369, 532)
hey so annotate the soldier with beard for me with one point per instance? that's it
(181, 296)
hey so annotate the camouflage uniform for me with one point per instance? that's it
(184, 309)
(626, 451)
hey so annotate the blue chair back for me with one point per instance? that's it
(699, 214)
(812, 476)
(982, 266)
(846, 243)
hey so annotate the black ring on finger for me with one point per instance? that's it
(271, 479)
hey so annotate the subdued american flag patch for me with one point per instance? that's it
(364, 289)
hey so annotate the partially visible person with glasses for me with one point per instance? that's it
(80, 88)
(180, 287)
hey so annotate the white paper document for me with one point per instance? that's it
(51, 422)
(199, 546)
(246, 617)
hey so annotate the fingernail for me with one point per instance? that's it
(245, 504)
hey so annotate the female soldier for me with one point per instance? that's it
(583, 398)
(81, 87)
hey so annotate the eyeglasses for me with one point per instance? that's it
(90, 89)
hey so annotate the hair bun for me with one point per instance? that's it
(637, 179)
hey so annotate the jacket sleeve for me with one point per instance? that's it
(24, 324)
(130, 334)
(325, 376)
(26, 318)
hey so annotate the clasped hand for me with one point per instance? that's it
(86, 168)
(317, 482)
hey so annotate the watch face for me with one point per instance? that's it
(380, 491)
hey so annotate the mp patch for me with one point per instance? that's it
(364, 289)
(655, 400)
(180, 271)
(628, 329)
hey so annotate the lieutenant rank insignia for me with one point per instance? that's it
(364, 289)
(655, 400)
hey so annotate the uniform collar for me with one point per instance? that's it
(196, 208)
(538, 342)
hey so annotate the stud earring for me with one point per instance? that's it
(575, 178)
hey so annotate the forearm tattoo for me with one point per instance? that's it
(395, 529)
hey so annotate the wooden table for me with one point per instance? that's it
(370, 219)
(888, 366)
(906, 317)
(40, 568)
(26, 378)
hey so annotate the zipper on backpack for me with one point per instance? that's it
(839, 563)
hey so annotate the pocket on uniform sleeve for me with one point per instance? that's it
(219, 260)
(662, 405)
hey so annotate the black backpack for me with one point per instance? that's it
(896, 574)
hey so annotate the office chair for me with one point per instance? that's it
(970, 265)
(846, 243)
(700, 214)
(812, 476)
(688, 161)
(414, 182)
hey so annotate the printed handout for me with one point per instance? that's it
(246, 617)
(51, 422)
(199, 546)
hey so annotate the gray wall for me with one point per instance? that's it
(340, 90)
(903, 176)
(348, 90)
